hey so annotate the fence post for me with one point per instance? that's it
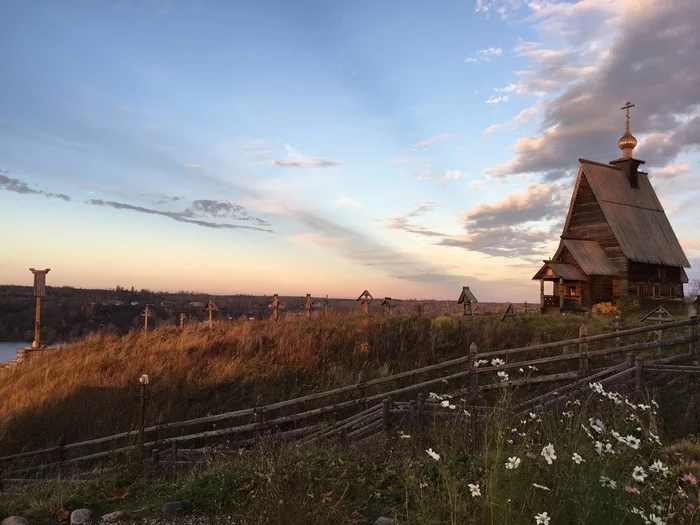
(583, 351)
(155, 456)
(412, 412)
(420, 408)
(472, 365)
(386, 414)
(693, 333)
(639, 373)
(61, 449)
(143, 380)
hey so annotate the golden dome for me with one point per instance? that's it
(627, 141)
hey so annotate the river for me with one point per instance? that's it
(8, 351)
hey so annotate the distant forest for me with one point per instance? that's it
(70, 313)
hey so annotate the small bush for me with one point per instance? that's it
(628, 305)
(605, 309)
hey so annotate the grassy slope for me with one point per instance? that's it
(91, 389)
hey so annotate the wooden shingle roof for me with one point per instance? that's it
(635, 216)
(589, 256)
(566, 271)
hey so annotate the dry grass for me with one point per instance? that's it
(91, 389)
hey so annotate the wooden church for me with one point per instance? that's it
(617, 241)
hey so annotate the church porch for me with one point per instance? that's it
(568, 289)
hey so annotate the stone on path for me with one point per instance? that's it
(173, 506)
(113, 516)
(80, 516)
(15, 520)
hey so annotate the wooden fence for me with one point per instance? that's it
(366, 409)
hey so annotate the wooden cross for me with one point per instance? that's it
(182, 320)
(146, 313)
(325, 307)
(39, 292)
(627, 107)
(307, 304)
(275, 306)
(365, 299)
(387, 305)
(210, 307)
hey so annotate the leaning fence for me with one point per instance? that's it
(360, 411)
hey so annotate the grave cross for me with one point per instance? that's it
(39, 292)
(365, 298)
(308, 303)
(275, 307)
(146, 314)
(210, 307)
(387, 305)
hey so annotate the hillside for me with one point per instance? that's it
(196, 371)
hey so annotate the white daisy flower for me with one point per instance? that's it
(433, 454)
(542, 519)
(576, 458)
(638, 474)
(548, 453)
(475, 490)
(513, 463)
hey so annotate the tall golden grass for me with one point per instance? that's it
(91, 388)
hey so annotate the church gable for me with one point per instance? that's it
(586, 219)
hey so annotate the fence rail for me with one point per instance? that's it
(357, 425)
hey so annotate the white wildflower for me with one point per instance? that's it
(638, 474)
(475, 490)
(481, 362)
(658, 468)
(633, 441)
(513, 463)
(540, 486)
(404, 436)
(504, 376)
(533, 367)
(521, 370)
(548, 453)
(433, 454)
(653, 519)
(542, 519)
(576, 458)
(433, 395)
(466, 413)
(497, 362)
(596, 424)
(607, 482)
(533, 416)
(598, 448)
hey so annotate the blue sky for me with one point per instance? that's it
(321, 147)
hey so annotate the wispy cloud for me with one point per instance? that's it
(493, 128)
(18, 186)
(425, 144)
(296, 159)
(347, 201)
(484, 55)
(193, 166)
(672, 171)
(404, 223)
(198, 208)
(509, 227)
(497, 99)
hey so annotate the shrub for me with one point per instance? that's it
(605, 309)
(628, 305)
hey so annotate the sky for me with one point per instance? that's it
(409, 148)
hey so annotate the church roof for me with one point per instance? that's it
(635, 215)
(566, 271)
(589, 256)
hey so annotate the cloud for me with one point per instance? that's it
(493, 128)
(193, 166)
(476, 185)
(18, 186)
(297, 160)
(509, 227)
(691, 245)
(451, 175)
(649, 54)
(485, 55)
(497, 99)
(672, 171)
(510, 88)
(347, 201)
(316, 240)
(187, 216)
(424, 145)
(403, 222)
